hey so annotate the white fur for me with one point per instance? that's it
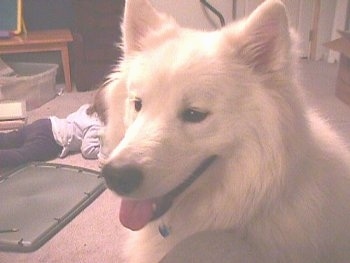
(281, 179)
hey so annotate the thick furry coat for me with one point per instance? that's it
(211, 130)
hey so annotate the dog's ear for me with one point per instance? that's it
(141, 19)
(264, 39)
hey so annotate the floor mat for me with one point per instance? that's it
(39, 199)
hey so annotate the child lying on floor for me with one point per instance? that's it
(48, 138)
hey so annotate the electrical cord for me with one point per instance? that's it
(215, 11)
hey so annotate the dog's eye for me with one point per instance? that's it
(138, 104)
(193, 115)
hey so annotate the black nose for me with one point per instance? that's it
(123, 180)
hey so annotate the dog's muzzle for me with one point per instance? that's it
(135, 214)
(126, 179)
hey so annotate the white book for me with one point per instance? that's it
(12, 110)
(11, 125)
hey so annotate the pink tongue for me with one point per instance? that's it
(135, 214)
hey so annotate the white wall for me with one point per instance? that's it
(190, 13)
(325, 25)
(338, 24)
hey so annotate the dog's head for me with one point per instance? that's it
(192, 99)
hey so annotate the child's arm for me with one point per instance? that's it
(90, 146)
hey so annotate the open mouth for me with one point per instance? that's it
(135, 214)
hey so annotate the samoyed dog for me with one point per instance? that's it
(210, 139)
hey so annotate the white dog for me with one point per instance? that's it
(217, 139)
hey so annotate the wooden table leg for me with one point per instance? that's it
(66, 67)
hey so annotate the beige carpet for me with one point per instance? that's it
(95, 234)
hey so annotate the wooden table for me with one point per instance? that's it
(40, 41)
